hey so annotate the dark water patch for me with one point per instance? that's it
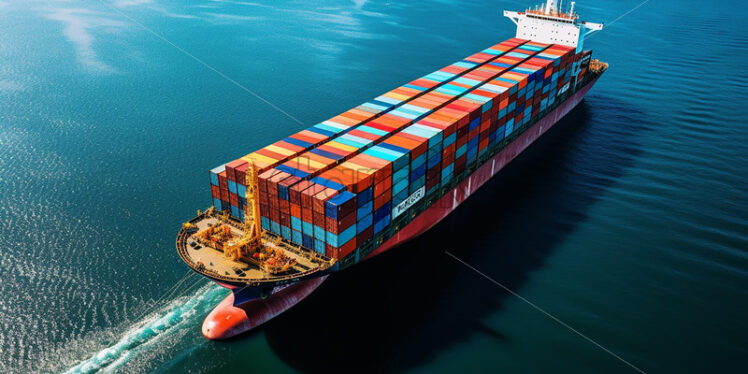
(410, 304)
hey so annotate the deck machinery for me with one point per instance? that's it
(244, 255)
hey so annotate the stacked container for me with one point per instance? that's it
(291, 147)
(339, 184)
(319, 165)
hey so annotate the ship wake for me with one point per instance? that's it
(158, 324)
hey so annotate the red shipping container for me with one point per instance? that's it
(275, 215)
(503, 103)
(383, 173)
(462, 130)
(263, 177)
(231, 168)
(362, 181)
(285, 219)
(461, 140)
(462, 122)
(307, 195)
(448, 159)
(460, 164)
(241, 174)
(262, 187)
(382, 199)
(475, 113)
(365, 236)
(307, 215)
(503, 98)
(222, 181)
(433, 174)
(421, 149)
(473, 133)
(331, 251)
(448, 150)
(382, 186)
(294, 193)
(225, 195)
(494, 125)
(284, 206)
(233, 199)
(347, 248)
(319, 219)
(230, 172)
(485, 124)
(215, 191)
(295, 210)
(431, 183)
(338, 226)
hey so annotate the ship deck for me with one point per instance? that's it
(212, 262)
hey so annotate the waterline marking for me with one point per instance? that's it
(224, 76)
(562, 323)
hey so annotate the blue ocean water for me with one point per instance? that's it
(629, 221)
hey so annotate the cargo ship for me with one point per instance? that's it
(287, 216)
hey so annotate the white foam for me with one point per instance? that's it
(159, 324)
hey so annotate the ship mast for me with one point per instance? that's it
(252, 211)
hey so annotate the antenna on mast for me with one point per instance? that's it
(550, 6)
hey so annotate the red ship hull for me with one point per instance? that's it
(227, 320)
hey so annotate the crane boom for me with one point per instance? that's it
(252, 239)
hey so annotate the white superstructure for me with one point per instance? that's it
(547, 24)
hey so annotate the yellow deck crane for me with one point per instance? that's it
(252, 239)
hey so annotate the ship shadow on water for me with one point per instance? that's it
(402, 308)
